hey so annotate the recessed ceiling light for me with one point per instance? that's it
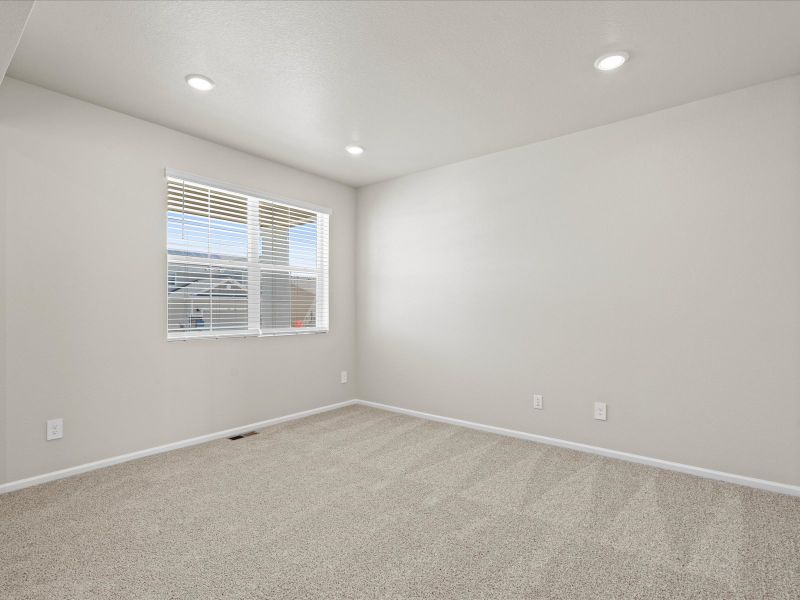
(354, 150)
(609, 62)
(200, 82)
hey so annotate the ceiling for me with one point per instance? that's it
(12, 22)
(418, 84)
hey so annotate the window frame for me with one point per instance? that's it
(253, 266)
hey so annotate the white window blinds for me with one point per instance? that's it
(240, 264)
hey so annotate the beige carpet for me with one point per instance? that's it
(361, 503)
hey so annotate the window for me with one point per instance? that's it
(240, 264)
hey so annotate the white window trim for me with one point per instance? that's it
(254, 268)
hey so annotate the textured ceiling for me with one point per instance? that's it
(419, 84)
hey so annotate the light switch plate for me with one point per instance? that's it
(538, 401)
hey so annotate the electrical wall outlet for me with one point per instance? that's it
(600, 411)
(55, 429)
(538, 401)
(343, 377)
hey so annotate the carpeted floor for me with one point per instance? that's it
(362, 503)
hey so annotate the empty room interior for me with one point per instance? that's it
(399, 300)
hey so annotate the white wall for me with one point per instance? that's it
(3, 338)
(85, 286)
(653, 264)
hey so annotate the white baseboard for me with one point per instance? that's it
(107, 462)
(762, 484)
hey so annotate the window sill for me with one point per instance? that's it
(184, 337)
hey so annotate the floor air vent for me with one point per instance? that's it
(243, 435)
